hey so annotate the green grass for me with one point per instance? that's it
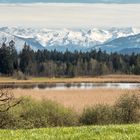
(112, 132)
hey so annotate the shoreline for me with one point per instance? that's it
(97, 79)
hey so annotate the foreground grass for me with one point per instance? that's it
(112, 132)
(97, 79)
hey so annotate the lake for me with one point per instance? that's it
(68, 86)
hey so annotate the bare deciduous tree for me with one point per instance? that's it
(7, 100)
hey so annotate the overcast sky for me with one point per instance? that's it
(71, 1)
(70, 15)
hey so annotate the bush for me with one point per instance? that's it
(127, 109)
(6, 120)
(37, 114)
(20, 75)
(99, 114)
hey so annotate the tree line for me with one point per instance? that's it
(65, 64)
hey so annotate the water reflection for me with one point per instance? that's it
(66, 86)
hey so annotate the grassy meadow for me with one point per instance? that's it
(110, 132)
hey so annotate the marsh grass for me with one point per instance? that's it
(76, 99)
(45, 113)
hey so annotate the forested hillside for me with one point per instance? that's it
(65, 64)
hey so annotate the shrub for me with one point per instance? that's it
(6, 120)
(7, 102)
(38, 114)
(20, 75)
(127, 109)
(99, 114)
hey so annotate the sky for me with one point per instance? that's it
(70, 15)
(71, 1)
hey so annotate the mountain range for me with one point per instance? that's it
(122, 40)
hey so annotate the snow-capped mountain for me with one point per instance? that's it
(122, 44)
(62, 39)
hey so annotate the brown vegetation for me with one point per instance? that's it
(7, 100)
(97, 79)
(76, 99)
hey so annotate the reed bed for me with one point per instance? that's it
(76, 99)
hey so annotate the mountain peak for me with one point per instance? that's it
(43, 38)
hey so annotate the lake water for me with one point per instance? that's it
(68, 86)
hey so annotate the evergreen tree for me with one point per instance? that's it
(6, 60)
(27, 59)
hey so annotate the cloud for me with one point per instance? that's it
(70, 1)
(70, 15)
